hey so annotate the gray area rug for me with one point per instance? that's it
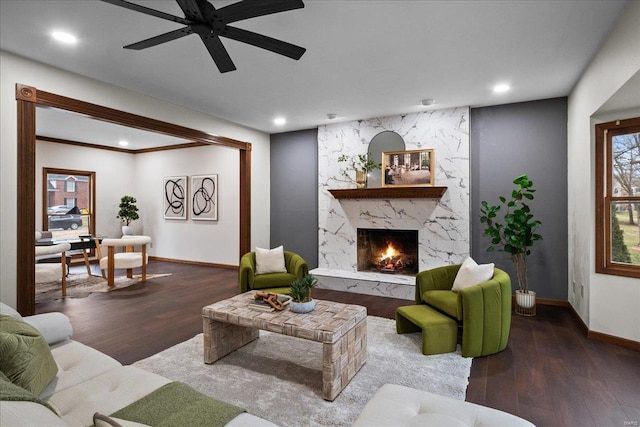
(279, 378)
(81, 285)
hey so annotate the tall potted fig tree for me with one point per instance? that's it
(515, 234)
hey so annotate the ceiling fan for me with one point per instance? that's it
(203, 19)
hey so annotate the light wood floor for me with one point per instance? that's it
(550, 373)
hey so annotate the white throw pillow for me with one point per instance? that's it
(270, 260)
(471, 273)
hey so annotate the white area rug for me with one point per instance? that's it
(82, 285)
(279, 378)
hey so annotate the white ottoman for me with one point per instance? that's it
(395, 405)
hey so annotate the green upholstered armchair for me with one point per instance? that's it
(296, 266)
(484, 310)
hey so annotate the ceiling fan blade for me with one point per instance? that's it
(218, 53)
(162, 38)
(147, 11)
(264, 42)
(192, 10)
(252, 8)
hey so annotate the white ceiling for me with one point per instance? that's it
(78, 128)
(364, 58)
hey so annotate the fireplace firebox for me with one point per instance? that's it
(387, 251)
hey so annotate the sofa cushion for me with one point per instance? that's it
(25, 357)
(448, 302)
(14, 393)
(270, 260)
(273, 280)
(471, 274)
(395, 405)
(28, 414)
(105, 393)
(77, 363)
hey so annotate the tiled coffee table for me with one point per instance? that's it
(341, 328)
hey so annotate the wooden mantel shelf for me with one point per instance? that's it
(390, 193)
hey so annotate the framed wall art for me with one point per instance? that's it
(414, 168)
(204, 197)
(174, 194)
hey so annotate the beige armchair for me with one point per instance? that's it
(52, 271)
(128, 259)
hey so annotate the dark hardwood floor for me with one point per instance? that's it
(550, 373)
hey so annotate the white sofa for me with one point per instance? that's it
(395, 405)
(87, 382)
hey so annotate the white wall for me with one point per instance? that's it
(141, 176)
(205, 241)
(15, 69)
(610, 303)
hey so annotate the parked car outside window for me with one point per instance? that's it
(65, 222)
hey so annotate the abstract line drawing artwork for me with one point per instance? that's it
(204, 197)
(175, 193)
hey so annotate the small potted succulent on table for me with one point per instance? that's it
(300, 293)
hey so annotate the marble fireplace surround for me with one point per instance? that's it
(442, 224)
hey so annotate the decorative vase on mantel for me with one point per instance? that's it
(361, 179)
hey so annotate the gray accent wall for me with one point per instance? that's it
(514, 139)
(505, 142)
(294, 193)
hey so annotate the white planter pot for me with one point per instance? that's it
(526, 303)
(526, 300)
(126, 230)
(302, 307)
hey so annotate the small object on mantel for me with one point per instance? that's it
(390, 193)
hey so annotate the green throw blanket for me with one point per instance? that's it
(178, 405)
(12, 392)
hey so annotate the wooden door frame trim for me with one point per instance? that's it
(27, 99)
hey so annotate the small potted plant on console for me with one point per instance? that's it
(300, 293)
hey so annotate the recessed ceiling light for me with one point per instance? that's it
(123, 143)
(64, 37)
(427, 102)
(279, 121)
(331, 116)
(501, 88)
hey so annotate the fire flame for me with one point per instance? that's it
(389, 253)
